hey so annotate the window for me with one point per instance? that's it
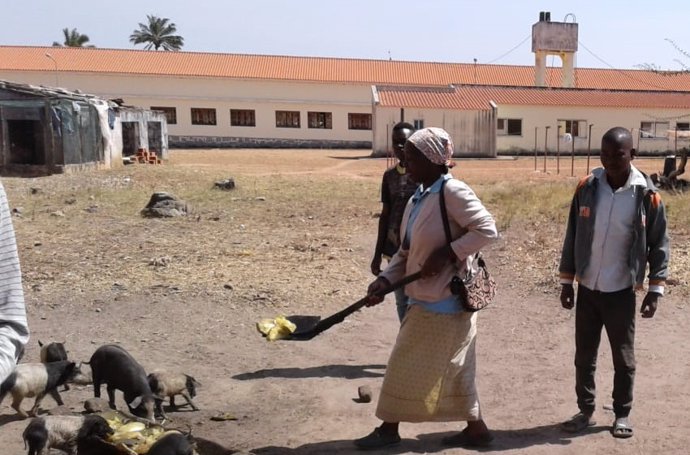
(683, 126)
(576, 128)
(654, 129)
(509, 127)
(359, 121)
(242, 117)
(287, 119)
(170, 113)
(201, 116)
(418, 124)
(323, 120)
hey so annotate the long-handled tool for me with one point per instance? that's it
(310, 326)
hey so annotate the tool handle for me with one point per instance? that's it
(340, 316)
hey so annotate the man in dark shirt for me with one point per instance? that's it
(396, 190)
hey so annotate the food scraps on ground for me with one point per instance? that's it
(132, 436)
(276, 329)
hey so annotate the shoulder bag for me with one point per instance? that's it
(477, 288)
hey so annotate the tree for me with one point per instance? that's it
(158, 33)
(684, 67)
(73, 39)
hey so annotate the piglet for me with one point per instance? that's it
(53, 352)
(165, 384)
(114, 366)
(172, 444)
(36, 380)
(67, 433)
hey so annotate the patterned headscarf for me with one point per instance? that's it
(434, 143)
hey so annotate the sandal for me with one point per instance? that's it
(578, 423)
(377, 440)
(462, 439)
(622, 428)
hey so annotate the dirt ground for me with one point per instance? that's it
(295, 237)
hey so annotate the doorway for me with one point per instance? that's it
(130, 138)
(25, 142)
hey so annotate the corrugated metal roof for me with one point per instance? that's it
(478, 97)
(318, 69)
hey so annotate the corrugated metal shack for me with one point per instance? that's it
(469, 119)
(47, 130)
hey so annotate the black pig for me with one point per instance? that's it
(114, 366)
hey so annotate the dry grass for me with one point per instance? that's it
(295, 219)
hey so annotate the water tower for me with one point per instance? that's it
(554, 38)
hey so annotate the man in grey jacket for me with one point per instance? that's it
(14, 330)
(616, 226)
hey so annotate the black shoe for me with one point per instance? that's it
(377, 440)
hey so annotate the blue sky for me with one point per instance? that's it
(621, 34)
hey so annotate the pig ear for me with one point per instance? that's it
(39, 343)
(136, 402)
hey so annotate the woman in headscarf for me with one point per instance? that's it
(431, 372)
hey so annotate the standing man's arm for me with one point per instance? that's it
(566, 268)
(384, 222)
(14, 330)
(657, 254)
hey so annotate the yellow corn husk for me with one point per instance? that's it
(285, 322)
(276, 329)
(265, 325)
(132, 427)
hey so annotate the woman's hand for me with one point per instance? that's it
(437, 261)
(374, 291)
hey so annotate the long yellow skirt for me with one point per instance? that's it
(431, 371)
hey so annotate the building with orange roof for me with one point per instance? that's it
(241, 100)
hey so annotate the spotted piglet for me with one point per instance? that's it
(76, 435)
(37, 380)
(166, 384)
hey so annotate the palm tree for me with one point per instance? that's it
(158, 33)
(73, 39)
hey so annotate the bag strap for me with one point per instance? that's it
(446, 224)
(444, 213)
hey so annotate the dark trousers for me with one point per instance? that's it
(616, 312)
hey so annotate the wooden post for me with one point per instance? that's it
(572, 156)
(546, 145)
(558, 150)
(535, 148)
(589, 145)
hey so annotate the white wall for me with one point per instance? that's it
(265, 97)
(602, 119)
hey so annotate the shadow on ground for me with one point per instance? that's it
(324, 371)
(431, 442)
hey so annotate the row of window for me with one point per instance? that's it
(284, 119)
(578, 128)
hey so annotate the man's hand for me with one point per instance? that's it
(376, 265)
(567, 296)
(649, 304)
(375, 289)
